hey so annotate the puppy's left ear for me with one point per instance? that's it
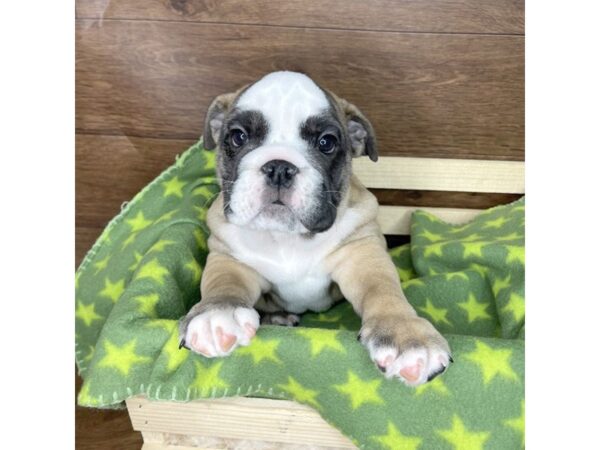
(360, 130)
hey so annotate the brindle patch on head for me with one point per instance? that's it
(254, 124)
(334, 167)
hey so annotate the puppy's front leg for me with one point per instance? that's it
(400, 343)
(225, 317)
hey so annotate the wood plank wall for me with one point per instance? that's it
(438, 78)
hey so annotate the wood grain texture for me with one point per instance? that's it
(85, 237)
(112, 169)
(466, 175)
(237, 418)
(458, 16)
(428, 95)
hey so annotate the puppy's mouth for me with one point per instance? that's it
(278, 202)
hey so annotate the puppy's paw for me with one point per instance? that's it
(218, 330)
(407, 348)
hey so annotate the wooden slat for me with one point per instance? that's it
(467, 200)
(238, 418)
(442, 174)
(396, 219)
(172, 441)
(112, 169)
(458, 16)
(427, 95)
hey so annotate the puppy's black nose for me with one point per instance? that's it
(279, 173)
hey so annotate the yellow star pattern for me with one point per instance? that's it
(397, 251)
(459, 275)
(201, 212)
(113, 290)
(166, 324)
(474, 249)
(474, 309)
(501, 283)
(195, 268)
(515, 254)
(463, 439)
(147, 304)
(200, 239)
(129, 240)
(261, 349)
(414, 282)
(497, 223)
(405, 274)
(173, 187)
(462, 228)
(360, 391)
(492, 362)
(101, 265)
(84, 397)
(122, 358)
(210, 160)
(77, 276)
(160, 245)
(479, 269)
(138, 258)
(438, 315)
(166, 216)
(203, 191)
(515, 305)
(431, 237)
(86, 313)
(472, 237)
(511, 237)
(90, 355)
(394, 440)
(436, 385)
(321, 317)
(299, 392)
(321, 339)
(152, 270)
(434, 249)
(518, 423)
(207, 378)
(175, 355)
(138, 223)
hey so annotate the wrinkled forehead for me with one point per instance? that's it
(287, 100)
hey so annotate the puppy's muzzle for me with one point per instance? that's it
(279, 173)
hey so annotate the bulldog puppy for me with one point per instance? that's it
(293, 230)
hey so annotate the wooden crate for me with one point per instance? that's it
(257, 423)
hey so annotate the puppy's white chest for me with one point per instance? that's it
(292, 264)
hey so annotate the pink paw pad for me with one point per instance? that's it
(412, 373)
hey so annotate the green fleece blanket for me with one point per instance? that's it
(143, 275)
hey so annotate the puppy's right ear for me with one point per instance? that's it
(215, 117)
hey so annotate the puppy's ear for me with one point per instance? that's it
(360, 130)
(215, 117)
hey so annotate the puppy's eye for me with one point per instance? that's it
(238, 138)
(327, 143)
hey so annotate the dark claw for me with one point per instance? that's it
(358, 336)
(450, 358)
(435, 374)
(182, 344)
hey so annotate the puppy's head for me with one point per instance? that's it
(284, 152)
